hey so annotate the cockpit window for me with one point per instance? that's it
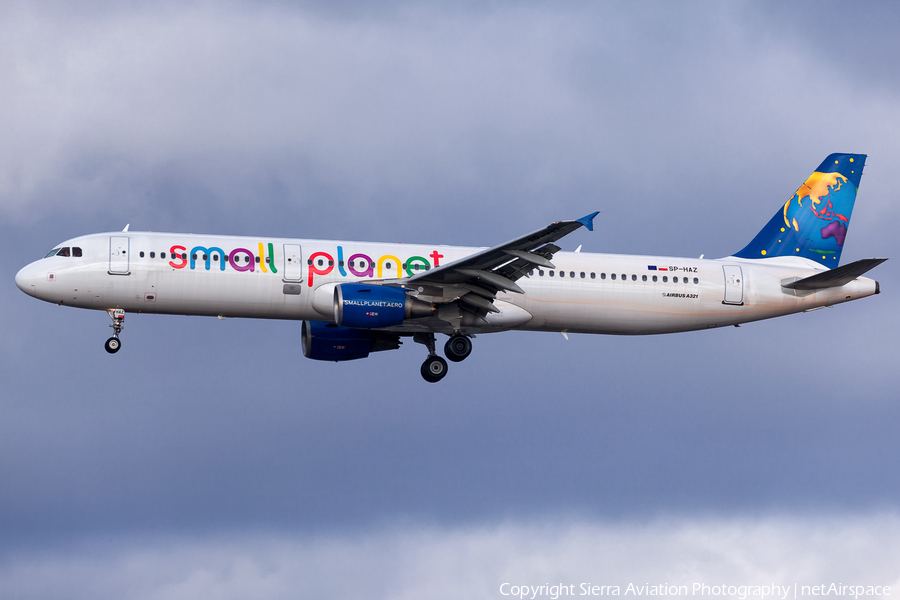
(76, 251)
(52, 252)
(63, 252)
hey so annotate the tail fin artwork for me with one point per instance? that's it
(813, 223)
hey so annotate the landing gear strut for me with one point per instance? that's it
(458, 348)
(118, 318)
(434, 368)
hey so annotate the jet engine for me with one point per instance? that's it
(326, 341)
(375, 306)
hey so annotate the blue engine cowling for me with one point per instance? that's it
(375, 306)
(326, 341)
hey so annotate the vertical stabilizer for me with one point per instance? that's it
(813, 223)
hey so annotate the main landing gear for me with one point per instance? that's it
(118, 317)
(457, 348)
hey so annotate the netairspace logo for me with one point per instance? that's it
(741, 592)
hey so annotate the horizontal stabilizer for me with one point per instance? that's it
(835, 277)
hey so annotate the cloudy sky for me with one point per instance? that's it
(210, 459)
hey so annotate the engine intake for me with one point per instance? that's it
(375, 306)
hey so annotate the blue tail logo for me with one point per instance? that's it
(813, 223)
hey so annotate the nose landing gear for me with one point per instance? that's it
(118, 317)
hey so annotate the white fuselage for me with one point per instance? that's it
(273, 278)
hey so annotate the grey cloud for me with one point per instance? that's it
(414, 561)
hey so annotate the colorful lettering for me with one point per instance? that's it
(359, 265)
(416, 259)
(235, 262)
(208, 253)
(314, 269)
(262, 259)
(367, 272)
(384, 259)
(177, 256)
(272, 259)
(341, 262)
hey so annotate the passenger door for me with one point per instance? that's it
(118, 255)
(734, 285)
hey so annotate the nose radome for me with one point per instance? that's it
(25, 280)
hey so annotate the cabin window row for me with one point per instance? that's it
(215, 256)
(614, 276)
(362, 264)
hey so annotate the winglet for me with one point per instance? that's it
(588, 221)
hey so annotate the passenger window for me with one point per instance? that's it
(153, 255)
(162, 254)
(269, 259)
(142, 254)
(602, 275)
(340, 263)
(193, 257)
(63, 252)
(309, 262)
(643, 278)
(257, 261)
(572, 274)
(321, 262)
(654, 279)
(76, 251)
(634, 277)
(216, 257)
(562, 273)
(624, 277)
(205, 257)
(551, 273)
(387, 265)
(540, 272)
(582, 274)
(665, 279)
(613, 276)
(593, 275)
(696, 280)
(184, 256)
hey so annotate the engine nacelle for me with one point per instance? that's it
(375, 306)
(325, 341)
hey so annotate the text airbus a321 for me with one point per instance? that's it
(355, 298)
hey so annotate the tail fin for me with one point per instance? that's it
(813, 223)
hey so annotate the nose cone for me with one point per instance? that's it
(25, 279)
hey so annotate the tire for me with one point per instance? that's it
(434, 369)
(112, 345)
(458, 348)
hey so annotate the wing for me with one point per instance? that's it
(476, 279)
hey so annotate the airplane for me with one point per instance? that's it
(355, 298)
